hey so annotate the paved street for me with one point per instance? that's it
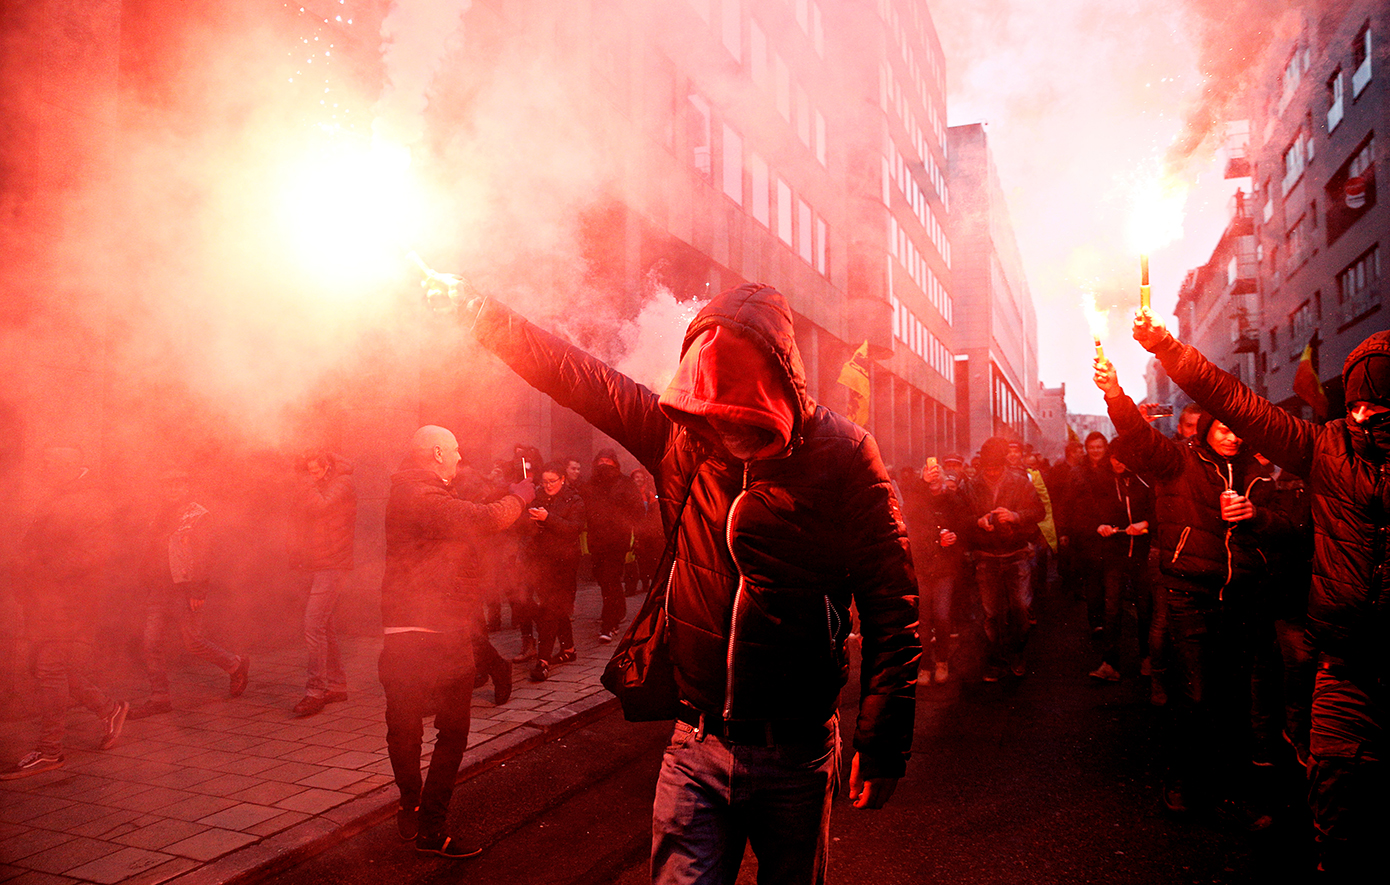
(1046, 780)
(220, 787)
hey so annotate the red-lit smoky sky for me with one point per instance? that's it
(1085, 102)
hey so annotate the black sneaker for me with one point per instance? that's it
(540, 672)
(444, 846)
(408, 823)
(566, 656)
(34, 763)
(112, 725)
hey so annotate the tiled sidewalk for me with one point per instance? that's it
(219, 788)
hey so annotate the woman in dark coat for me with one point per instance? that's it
(556, 517)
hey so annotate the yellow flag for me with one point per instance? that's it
(855, 376)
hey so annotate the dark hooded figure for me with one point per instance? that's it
(612, 505)
(1346, 466)
(782, 514)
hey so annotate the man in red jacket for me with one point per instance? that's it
(782, 514)
(1346, 465)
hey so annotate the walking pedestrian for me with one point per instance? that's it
(321, 545)
(176, 552)
(430, 602)
(612, 505)
(1002, 510)
(58, 573)
(556, 516)
(1346, 466)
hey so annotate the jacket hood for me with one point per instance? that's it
(740, 362)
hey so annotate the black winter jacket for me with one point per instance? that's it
(432, 559)
(1350, 488)
(1016, 492)
(769, 553)
(1119, 500)
(928, 514)
(1195, 544)
(556, 539)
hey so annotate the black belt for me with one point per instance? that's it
(755, 732)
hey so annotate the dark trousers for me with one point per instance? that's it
(1208, 682)
(555, 587)
(424, 674)
(1347, 782)
(1123, 579)
(608, 574)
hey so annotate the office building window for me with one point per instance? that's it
(760, 195)
(784, 212)
(698, 130)
(804, 233)
(733, 165)
(1334, 100)
(733, 27)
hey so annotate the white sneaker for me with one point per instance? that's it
(605, 638)
(34, 763)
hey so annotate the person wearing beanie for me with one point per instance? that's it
(780, 514)
(1001, 511)
(1346, 466)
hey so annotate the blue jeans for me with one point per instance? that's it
(321, 636)
(63, 671)
(714, 797)
(1005, 594)
(170, 604)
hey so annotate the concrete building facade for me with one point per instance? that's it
(997, 335)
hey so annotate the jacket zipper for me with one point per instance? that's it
(738, 595)
(1182, 541)
(830, 620)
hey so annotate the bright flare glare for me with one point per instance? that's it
(1096, 319)
(1158, 203)
(348, 210)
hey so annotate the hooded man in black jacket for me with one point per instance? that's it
(781, 514)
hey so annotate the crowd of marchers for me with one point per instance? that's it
(1252, 544)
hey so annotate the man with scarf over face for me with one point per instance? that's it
(1346, 465)
(781, 514)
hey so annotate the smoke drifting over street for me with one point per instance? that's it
(1100, 113)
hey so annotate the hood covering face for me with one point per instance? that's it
(739, 363)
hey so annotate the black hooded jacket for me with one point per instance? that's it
(769, 553)
(1195, 544)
